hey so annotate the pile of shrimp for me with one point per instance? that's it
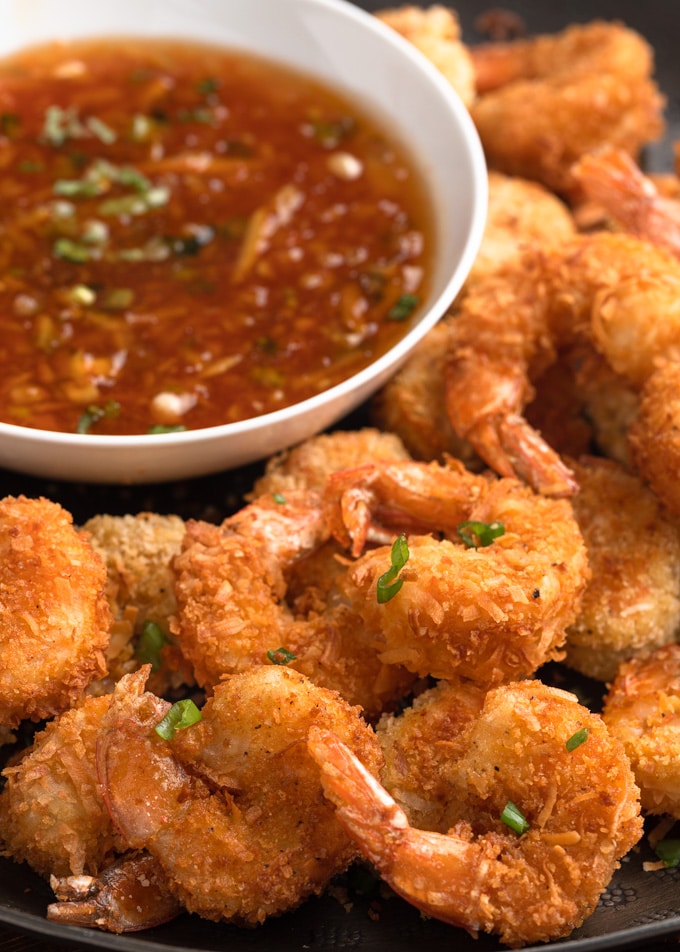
(358, 665)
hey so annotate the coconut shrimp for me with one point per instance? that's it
(235, 608)
(435, 31)
(543, 806)
(239, 790)
(53, 817)
(653, 435)
(545, 101)
(54, 617)
(632, 602)
(642, 709)
(137, 551)
(605, 290)
(489, 610)
(612, 180)
(307, 465)
(412, 404)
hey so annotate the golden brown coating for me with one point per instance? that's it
(642, 709)
(54, 616)
(490, 612)
(307, 465)
(545, 101)
(532, 747)
(232, 806)
(138, 551)
(632, 602)
(653, 436)
(233, 608)
(52, 814)
(435, 31)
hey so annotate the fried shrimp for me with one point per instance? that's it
(234, 612)
(54, 617)
(612, 180)
(545, 101)
(138, 550)
(53, 816)
(490, 611)
(411, 404)
(542, 807)
(605, 290)
(237, 789)
(653, 435)
(632, 602)
(642, 709)
(435, 31)
(307, 465)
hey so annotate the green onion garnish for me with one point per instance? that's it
(181, 715)
(281, 656)
(159, 428)
(389, 584)
(404, 307)
(279, 498)
(513, 817)
(668, 852)
(580, 737)
(94, 413)
(150, 644)
(477, 535)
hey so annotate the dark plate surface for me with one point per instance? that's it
(638, 907)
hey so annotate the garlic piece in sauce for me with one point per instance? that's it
(168, 407)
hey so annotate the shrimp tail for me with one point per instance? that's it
(532, 459)
(131, 894)
(386, 839)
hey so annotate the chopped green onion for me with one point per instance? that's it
(279, 498)
(10, 123)
(150, 644)
(281, 656)
(477, 535)
(103, 132)
(158, 428)
(74, 251)
(404, 307)
(668, 852)
(181, 715)
(207, 86)
(513, 817)
(388, 583)
(580, 737)
(94, 413)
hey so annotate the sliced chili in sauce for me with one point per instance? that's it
(191, 236)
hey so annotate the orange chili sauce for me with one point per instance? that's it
(191, 236)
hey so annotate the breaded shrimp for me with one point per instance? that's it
(231, 586)
(534, 758)
(54, 616)
(642, 709)
(611, 179)
(307, 465)
(632, 602)
(237, 790)
(605, 290)
(411, 404)
(53, 816)
(545, 101)
(489, 611)
(435, 31)
(654, 434)
(137, 551)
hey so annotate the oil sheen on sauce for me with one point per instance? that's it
(191, 236)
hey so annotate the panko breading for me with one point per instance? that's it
(632, 602)
(54, 615)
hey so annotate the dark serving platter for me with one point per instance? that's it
(639, 907)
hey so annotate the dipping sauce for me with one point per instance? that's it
(191, 236)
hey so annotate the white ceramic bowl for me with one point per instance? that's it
(351, 50)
